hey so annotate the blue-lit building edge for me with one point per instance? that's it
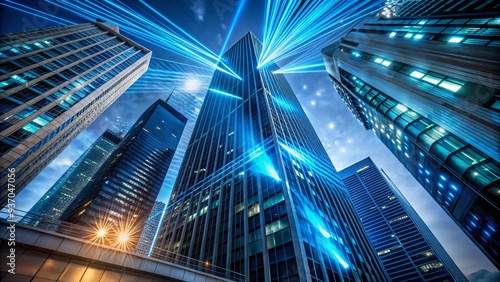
(319, 199)
(407, 248)
(64, 129)
(253, 162)
(138, 166)
(471, 201)
(440, 252)
(55, 201)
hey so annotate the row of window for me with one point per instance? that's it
(433, 78)
(462, 159)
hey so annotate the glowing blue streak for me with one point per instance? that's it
(302, 69)
(263, 164)
(179, 63)
(291, 151)
(150, 32)
(28, 12)
(235, 19)
(224, 93)
(38, 11)
(290, 27)
(169, 21)
(324, 232)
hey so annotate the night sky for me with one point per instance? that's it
(208, 21)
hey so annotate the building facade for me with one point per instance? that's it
(54, 82)
(428, 87)
(257, 192)
(57, 199)
(407, 248)
(150, 228)
(121, 194)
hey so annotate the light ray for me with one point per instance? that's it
(224, 93)
(38, 14)
(155, 29)
(292, 27)
(235, 19)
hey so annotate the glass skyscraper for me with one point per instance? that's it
(149, 231)
(55, 201)
(122, 192)
(54, 82)
(257, 192)
(426, 86)
(408, 249)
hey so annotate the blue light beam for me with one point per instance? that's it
(224, 93)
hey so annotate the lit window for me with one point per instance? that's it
(455, 39)
(408, 35)
(418, 36)
(392, 34)
(356, 54)
(496, 105)
(422, 22)
(40, 121)
(431, 79)
(450, 86)
(276, 226)
(386, 63)
(31, 128)
(426, 267)
(417, 74)
(378, 60)
(383, 252)
(398, 218)
(253, 210)
(401, 107)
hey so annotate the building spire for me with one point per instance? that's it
(168, 98)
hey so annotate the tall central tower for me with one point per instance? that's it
(256, 192)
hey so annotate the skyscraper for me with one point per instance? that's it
(408, 249)
(256, 191)
(149, 231)
(54, 82)
(123, 191)
(55, 201)
(427, 87)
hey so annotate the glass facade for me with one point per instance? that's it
(53, 83)
(122, 192)
(408, 249)
(434, 105)
(257, 192)
(150, 228)
(55, 201)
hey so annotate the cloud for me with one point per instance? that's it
(65, 162)
(198, 8)
(484, 275)
(219, 39)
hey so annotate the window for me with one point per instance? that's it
(427, 267)
(452, 86)
(417, 74)
(455, 39)
(432, 79)
(31, 128)
(276, 226)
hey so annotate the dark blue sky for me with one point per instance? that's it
(209, 21)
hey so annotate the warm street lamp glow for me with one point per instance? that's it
(123, 238)
(101, 232)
